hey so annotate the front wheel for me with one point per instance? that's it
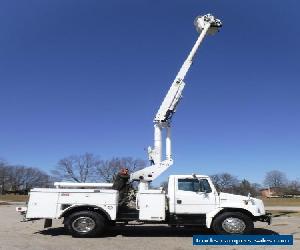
(85, 224)
(232, 223)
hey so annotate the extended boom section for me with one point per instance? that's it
(206, 24)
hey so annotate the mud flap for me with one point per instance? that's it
(47, 223)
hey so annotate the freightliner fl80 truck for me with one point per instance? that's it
(88, 209)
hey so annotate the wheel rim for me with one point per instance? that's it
(83, 224)
(233, 225)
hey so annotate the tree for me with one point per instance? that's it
(34, 177)
(245, 187)
(294, 185)
(15, 178)
(275, 179)
(4, 174)
(257, 187)
(225, 182)
(292, 188)
(87, 167)
(20, 179)
(107, 169)
(79, 168)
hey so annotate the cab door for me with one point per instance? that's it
(194, 196)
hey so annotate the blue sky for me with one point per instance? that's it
(88, 76)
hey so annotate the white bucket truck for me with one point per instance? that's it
(88, 209)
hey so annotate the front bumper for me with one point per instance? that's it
(264, 218)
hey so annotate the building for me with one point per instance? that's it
(270, 192)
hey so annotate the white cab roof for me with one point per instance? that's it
(188, 176)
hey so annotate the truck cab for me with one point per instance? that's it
(194, 200)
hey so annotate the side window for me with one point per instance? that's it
(204, 186)
(188, 185)
(194, 185)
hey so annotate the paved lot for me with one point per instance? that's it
(18, 235)
(283, 208)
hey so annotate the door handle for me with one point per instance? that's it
(179, 201)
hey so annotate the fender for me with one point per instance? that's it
(211, 215)
(77, 208)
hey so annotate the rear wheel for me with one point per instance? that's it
(85, 224)
(232, 223)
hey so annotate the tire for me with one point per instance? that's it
(85, 224)
(232, 223)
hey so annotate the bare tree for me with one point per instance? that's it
(79, 168)
(257, 187)
(16, 178)
(107, 169)
(225, 182)
(4, 174)
(294, 185)
(276, 179)
(34, 177)
(292, 188)
(20, 179)
(245, 187)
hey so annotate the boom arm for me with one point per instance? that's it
(207, 24)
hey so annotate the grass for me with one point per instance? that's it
(281, 201)
(12, 197)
